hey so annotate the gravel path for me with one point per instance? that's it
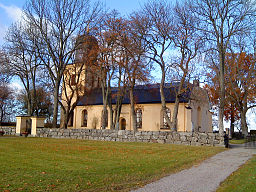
(205, 177)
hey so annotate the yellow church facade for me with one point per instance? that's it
(193, 113)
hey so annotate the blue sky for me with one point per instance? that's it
(11, 11)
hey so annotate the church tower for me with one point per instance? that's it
(86, 54)
(82, 76)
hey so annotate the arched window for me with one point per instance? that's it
(102, 116)
(84, 118)
(199, 118)
(164, 124)
(139, 118)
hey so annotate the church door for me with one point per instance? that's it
(123, 124)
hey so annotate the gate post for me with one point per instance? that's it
(21, 124)
(37, 122)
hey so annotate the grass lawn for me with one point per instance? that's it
(237, 141)
(44, 164)
(242, 141)
(244, 179)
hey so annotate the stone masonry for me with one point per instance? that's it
(184, 138)
(8, 130)
(197, 139)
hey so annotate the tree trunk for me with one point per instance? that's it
(34, 97)
(177, 102)
(55, 105)
(132, 109)
(104, 117)
(112, 125)
(222, 90)
(105, 103)
(29, 107)
(163, 99)
(118, 109)
(232, 121)
(221, 125)
(116, 123)
(244, 124)
(66, 118)
(110, 113)
(2, 114)
(243, 111)
(175, 114)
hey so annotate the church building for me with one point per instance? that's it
(193, 112)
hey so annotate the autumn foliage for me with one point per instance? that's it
(239, 86)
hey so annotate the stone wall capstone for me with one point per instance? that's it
(184, 138)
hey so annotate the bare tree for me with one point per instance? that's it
(155, 25)
(58, 22)
(107, 63)
(4, 68)
(23, 60)
(6, 93)
(43, 104)
(137, 69)
(6, 102)
(187, 42)
(219, 21)
(111, 60)
(170, 30)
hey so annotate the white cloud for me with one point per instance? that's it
(8, 15)
(13, 12)
(3, 29)
(16, 86)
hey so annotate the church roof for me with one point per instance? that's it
(143, 94)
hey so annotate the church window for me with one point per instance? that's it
(84, 118)
(139, 118)
(164, 124)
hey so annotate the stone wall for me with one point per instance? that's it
(8, 130)
(198, 139)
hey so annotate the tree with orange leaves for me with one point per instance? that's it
(135, 65)
(240, 87)
(231, 112)
(120, 62)
(110, 66)
(240, 80)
